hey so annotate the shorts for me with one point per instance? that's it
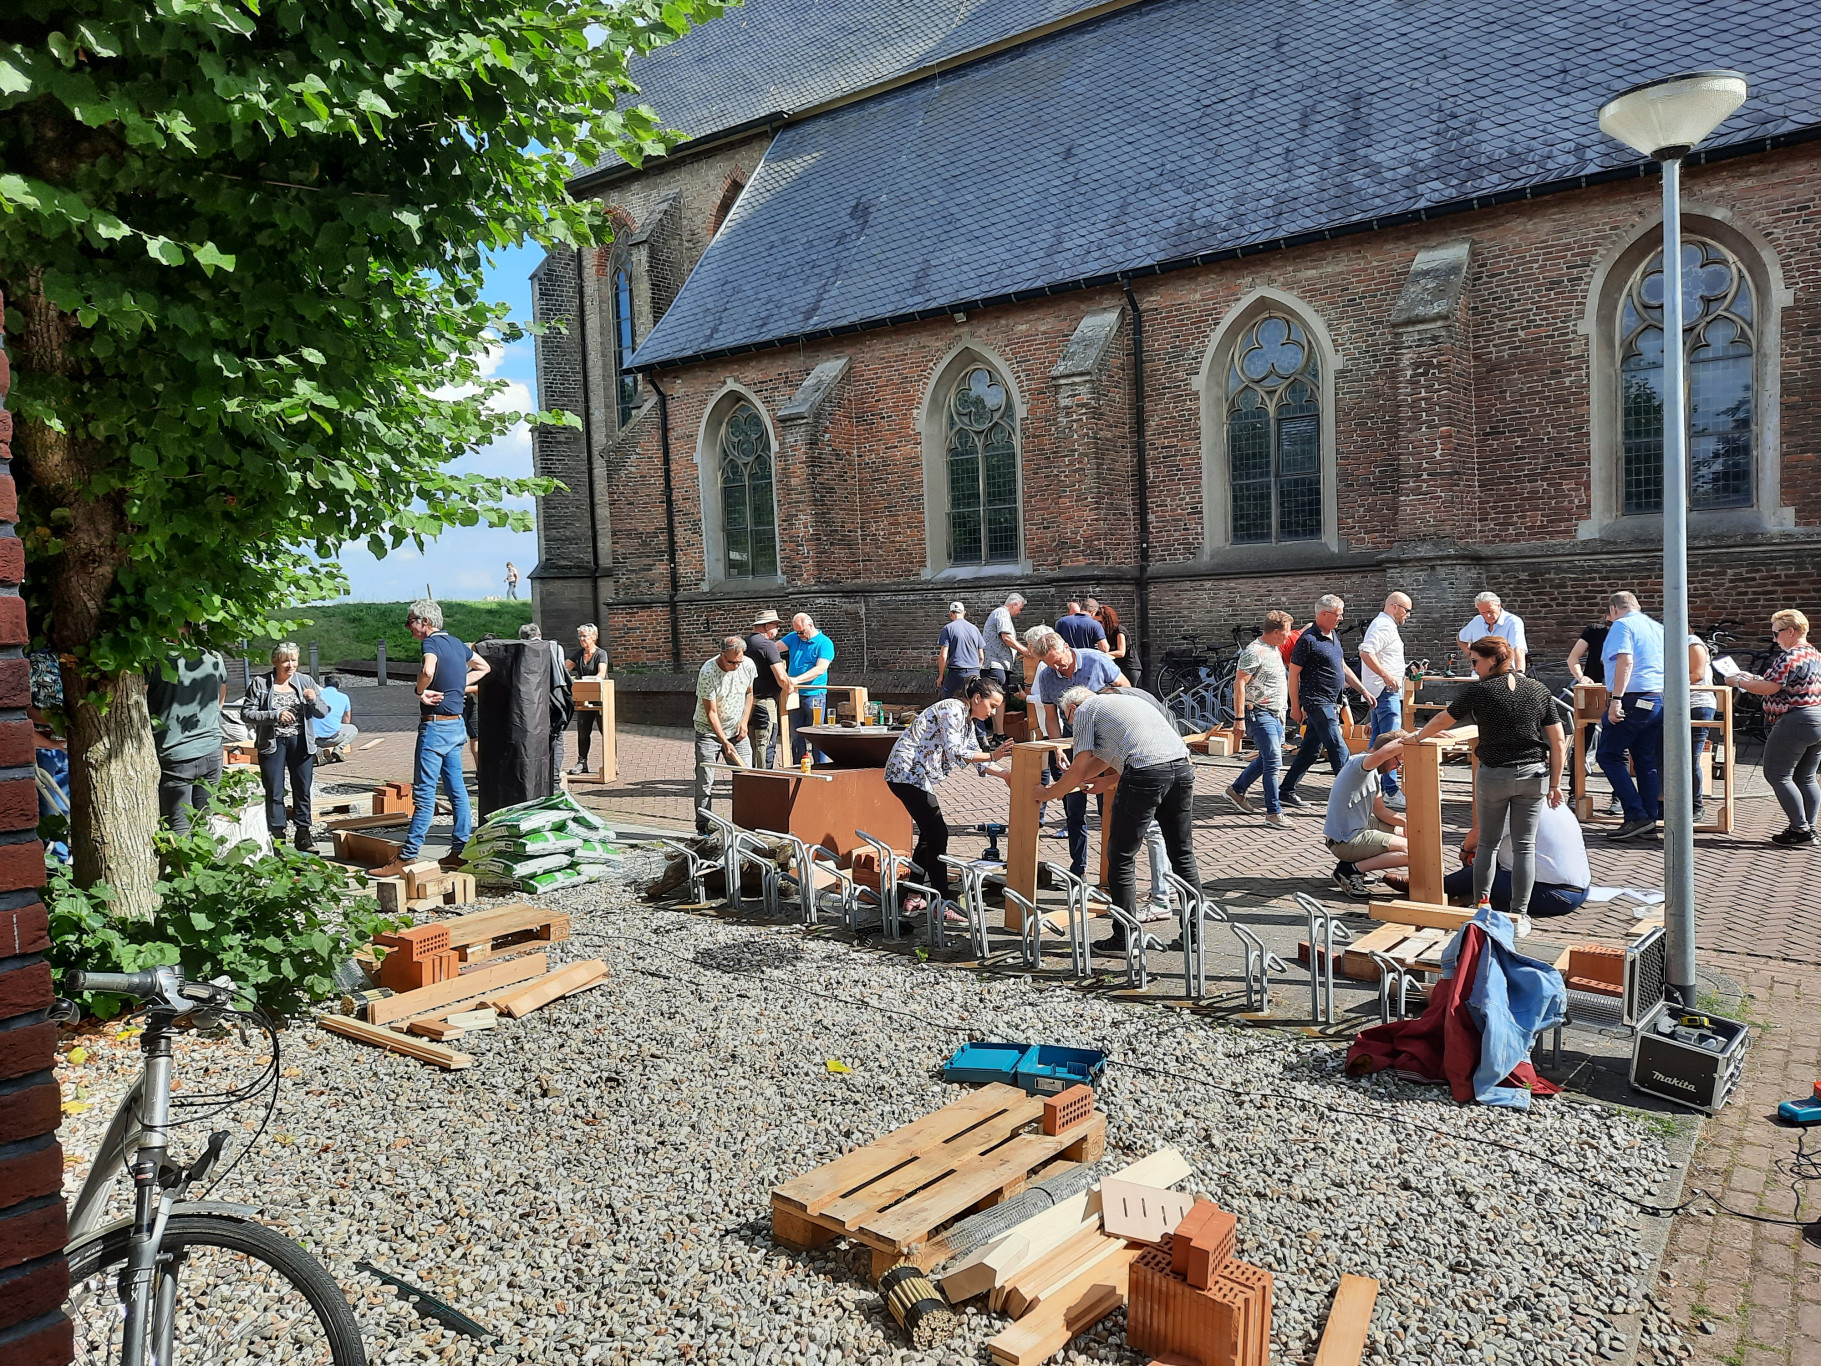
(1368, 843)
(471, 714)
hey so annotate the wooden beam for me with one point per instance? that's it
(1080, 1305)
(1343, 1341)
(1425, 914)
(391, 1040)
(1021, 838)
(575, 977)
(440, 1030)
(470, 986)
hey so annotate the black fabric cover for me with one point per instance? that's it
(514, 723)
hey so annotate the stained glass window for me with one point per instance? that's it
(982, 470)
(628, 383)
(1274, 435)
(749, 522)
(1717, 343)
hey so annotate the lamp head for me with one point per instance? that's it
(1667, 118)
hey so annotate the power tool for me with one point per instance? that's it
(1805, 1111)
(992, 832)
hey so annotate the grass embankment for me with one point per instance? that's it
(350, 630)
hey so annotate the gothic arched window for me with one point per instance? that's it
(749, 522)
(982, 469)
(627, 382)
(1274, 434)
(1717, 343)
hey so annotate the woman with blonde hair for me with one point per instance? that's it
(1791, 689)
(279, 707)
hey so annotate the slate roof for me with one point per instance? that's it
(1184, 129)
(780, 56)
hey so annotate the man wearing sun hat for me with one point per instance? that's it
(768, 688)
(959, 648)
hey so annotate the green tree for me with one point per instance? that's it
(241, 245)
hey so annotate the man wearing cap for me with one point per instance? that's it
(768, 688)
(958, 650)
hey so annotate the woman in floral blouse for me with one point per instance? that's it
(1791, 689)
(939, 742)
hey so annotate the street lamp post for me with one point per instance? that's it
(1665, 120)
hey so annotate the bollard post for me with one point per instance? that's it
(313, 663)
(381, 644)
(246, 668)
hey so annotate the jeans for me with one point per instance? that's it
(957, 679)
(1162, 793)
(1516, 792)
(1696, 713)
(296, 755)
(1792, 758)
(344, 735)
(709, 751)
(181, 787)
(1321, 730)
(1266, 730)
(439, 760)
(807, 712)
(1387, 716)
(932, 834)
(1546, 898)
(762, 731)
(1641, 735)
(558, 723)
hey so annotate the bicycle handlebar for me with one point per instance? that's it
(141, 986)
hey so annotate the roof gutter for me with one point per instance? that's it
(1635, 171)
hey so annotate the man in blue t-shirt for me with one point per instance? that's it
(1633, 655)
(1080, 630)
(811, 653)
(959, 647)
(449, 669)
(1318, 677)
(335, 731)
(1066, 667)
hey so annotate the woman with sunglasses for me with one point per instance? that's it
(1791, 689)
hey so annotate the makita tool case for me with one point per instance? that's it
(1698, 1065)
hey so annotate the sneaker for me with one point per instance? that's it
(1793, 836)
(1632, 829)
(1615, 807)
(1351, 881)
(577, 771)
(1395, 801)
(1700, 812)
(1238, 798)
(1520, 927)
(951, 914)
(305, 841)
(1278, 819)
(396, 868)
(1290, 799)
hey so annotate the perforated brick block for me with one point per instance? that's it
(1257, 1287)
(402, 973)
(1067, 1108)
(1211, 1248)
(1599, 961)
(1183, 1236)
(1596, 986)
(420, 941)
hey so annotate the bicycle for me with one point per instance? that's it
(196, 1280)
(1748, 719)
(1183, 666)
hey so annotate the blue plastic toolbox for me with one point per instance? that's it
(1048, 1068)
(981, 1062)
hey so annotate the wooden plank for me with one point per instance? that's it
(434, 1053)
(1429, 915)
(470, 986)
(1080, 1305)
(811, 1192)
(1020, 1304)
(1044, 1270)
(471, 1020)
(1421, 781)
(440, 1030)
(1357, 966)
(997, 1262)
(576, 977)
(1165, 1167)
(932, 1165)
(390, 818)
(367, 851)
(1021, 838)
(1343, 1341)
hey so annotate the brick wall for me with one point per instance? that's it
(1462, 454)
(33, 1274)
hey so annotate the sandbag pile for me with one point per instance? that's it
(542, 846)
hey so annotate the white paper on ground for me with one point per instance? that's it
(1601, 895)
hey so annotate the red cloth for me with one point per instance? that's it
(1443, 1043)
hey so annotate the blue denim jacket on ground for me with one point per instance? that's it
(1512, 1000)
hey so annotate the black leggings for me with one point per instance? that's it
(932, 833)
(586, 724)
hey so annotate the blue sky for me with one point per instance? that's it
(470, 562)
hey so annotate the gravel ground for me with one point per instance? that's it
(596, 1186)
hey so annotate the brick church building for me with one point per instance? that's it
(1200, 309)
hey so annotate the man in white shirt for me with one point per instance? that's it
(1494, 620)
(1000, 659)
(1562, 875)
(1381, 660)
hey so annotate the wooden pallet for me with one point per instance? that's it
(504, 930)
(893, 1194)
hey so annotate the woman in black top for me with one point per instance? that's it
(587, 660)
(1520, 754)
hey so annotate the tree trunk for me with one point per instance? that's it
(113, 790)
(113, 762)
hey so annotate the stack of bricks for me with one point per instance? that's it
(33, 1217)
(393, 799)
(418, 957)
(1597, 968)
(1191, 1300)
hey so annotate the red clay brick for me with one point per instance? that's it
(15, 678)
(27, 1175)
(1067, 1108)
(34, 1290)
(17, 741)
(42, 1342)
(24, 929)
(13, 630)
(29, 1112)
(32, 1230)
(19, 805)
(25, 987)
(9, 499)
(12, 560)
(21, 866)
(31, 1048)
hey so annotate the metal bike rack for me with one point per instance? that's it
(803, 870)
(1081, 951)
(973, 877)
(1324, 932)
(1032, 934)
(1194, 911)
(1137, 966)
(698, 868)
(1260, 961)
(891, 863)
(737, 847)
(1390, 971)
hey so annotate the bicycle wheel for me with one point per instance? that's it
(1173, 677)
(235, 1291)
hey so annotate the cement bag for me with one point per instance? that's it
(555, 881)
(516, 869)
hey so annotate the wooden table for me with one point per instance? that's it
(1590, 703)
(596, 695)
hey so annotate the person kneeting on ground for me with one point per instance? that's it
(449, 669)
(1791, 689)
(723, 717)
(1364, 834)
(1261, 691)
